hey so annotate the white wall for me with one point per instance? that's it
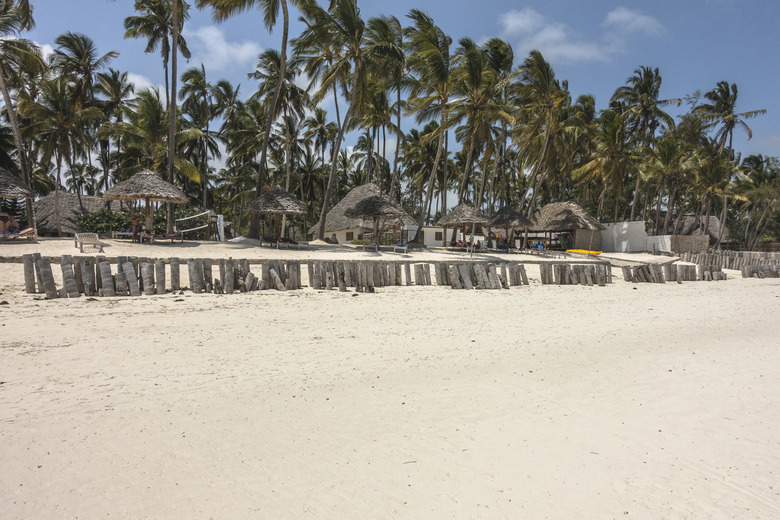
(624, 237)
(429, 235)
(662, 243)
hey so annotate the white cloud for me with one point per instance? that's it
(142, 83)
(627, 21)
(46, 50)
(559, 42)
(209, 47)
(523, 21)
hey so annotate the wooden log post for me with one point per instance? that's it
(342, 281)
(49, 287)
(454, 277)
(175, 275)
(465, 276)
(132, 281)
(229, 281)
(408, 273)
(147, 275)
(278, 283)
(310, 271)
(68, 278)
(159, 274)
(88, 276)
(29, 274)
(523, 274)
(107, 279)
(208, 274)
(250, 282)
(38, 276)
(120, 281)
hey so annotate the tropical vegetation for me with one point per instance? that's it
(466, 123)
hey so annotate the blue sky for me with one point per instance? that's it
(594, 44)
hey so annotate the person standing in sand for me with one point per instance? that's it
(135, 220)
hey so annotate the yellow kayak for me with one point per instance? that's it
(583, 251)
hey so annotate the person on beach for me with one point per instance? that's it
(135, 221)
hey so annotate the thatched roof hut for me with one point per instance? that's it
(277, 201)
(13, 188)
(337, 220)
(69, 210)
(462, 215)
(378, 208)
(507, 217)
(564, 216)
(146, 185)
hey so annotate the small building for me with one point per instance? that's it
(344, 228)
(70, 208)
(571, 225)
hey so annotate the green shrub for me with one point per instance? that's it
(103, 222)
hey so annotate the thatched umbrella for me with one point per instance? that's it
(277, 202)
(149, 186)
(13, 188)
(377, 208)
(461, 216)
(559, 217)
(564, 216)
(507, 217)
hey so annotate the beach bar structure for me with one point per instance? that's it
(573, 225)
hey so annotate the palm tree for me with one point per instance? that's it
(16, 52)
(543, 100)
(640, 99)
(431, 67)
(613, 156)
(59, 121)
(224, 9)
(77, 57)
(721, 112)
(197, 95)
(117, 93)
(385, 41)
(341, 30)
(760, 189)
(155, 23)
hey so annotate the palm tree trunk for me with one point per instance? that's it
(57, 196)
(537, 166)
(172, 105)
(431, 180)
(669, 207)
(466, 170)
(394, 180)
(722, 228)
(23, 167)
(636, 196)
(661, 191)
(254, 231)
(332, 176)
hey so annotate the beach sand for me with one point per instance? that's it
(626, 401)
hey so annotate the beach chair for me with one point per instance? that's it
(28, 233)
(401, 247)
(88, 239)
(176, 235)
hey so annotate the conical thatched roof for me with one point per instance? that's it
(377, 207)
(461, 215)
(563, 216)
(146, 185)
(69, 210)
(509, 218)
(11, 187)
(337, 220)
(277, 201)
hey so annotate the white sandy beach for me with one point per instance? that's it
(626, 401)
